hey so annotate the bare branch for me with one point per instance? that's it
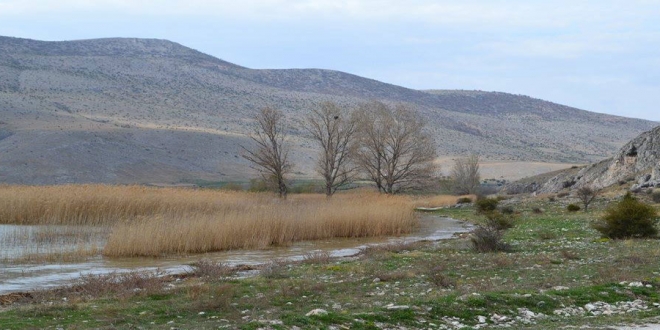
(270, 157)
(465, 175)
(394, 150)
(334, 131)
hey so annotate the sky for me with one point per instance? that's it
(601, 56)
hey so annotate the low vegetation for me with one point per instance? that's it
(485, 205)
(572, 208)
(559, 273)
(628, 218)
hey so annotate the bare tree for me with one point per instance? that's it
(394, 150)
(334, 131)
(465, 175)
(270, 157)
(586, 195)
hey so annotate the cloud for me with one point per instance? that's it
(468, 13)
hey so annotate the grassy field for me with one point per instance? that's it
(128, 221)
(560, 274)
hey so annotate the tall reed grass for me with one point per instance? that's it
(147, 221)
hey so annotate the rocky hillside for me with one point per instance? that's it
(638, 161)
(142, 110)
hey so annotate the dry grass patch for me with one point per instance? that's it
(262, 224)
(148, 221)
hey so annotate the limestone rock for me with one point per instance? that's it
(637, 160)
(317, 312)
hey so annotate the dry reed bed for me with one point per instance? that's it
(146, 221)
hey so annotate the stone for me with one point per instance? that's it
(644, 178)
(317, 312)
(393, 307)
(559, 288)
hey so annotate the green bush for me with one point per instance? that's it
(464, 200)
(572, 208)
(486, 205)
(629, 218)
(655, 196)
(499, 221)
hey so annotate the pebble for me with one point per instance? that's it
(317, 311)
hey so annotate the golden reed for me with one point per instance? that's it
(148, 221)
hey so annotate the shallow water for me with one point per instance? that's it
(24, 277)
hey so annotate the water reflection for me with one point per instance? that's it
(24, 277)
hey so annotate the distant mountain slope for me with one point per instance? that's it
(143, 110)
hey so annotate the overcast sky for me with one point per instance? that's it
(601, 55)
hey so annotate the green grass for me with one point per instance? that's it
(570, 254)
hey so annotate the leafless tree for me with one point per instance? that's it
(465, 175)
(270, 156)
(586, 195)
(334, 131)
(394, 150)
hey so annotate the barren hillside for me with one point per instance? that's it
(142, 110)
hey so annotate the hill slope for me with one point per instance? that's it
(638, 160)
(142, 110)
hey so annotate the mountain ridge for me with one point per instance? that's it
(113, 90)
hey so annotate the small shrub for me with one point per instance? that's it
(464, 200)
(486, 205)
(488, 239)
(629, 218)
(507, 210)
(572, 208)
(502, 261)
(655, 196)
(537, 210)
(499, 221)
(438, 277)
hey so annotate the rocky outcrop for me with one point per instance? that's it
(638, 160)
